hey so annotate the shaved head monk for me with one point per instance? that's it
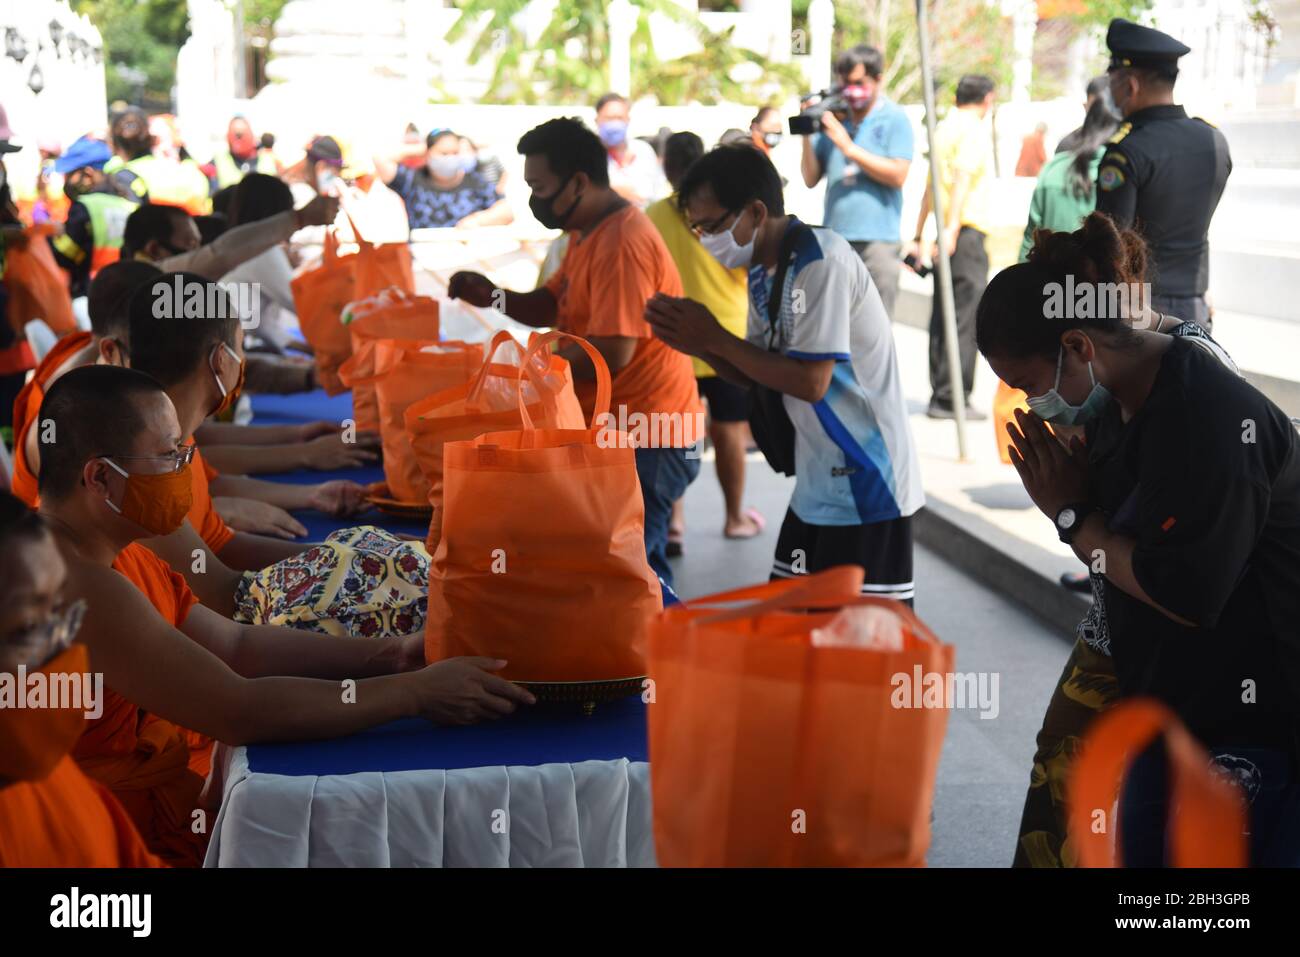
(106, 343)
(117, 474)
(51, 814)
(318, 445)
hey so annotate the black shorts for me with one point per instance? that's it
(884, 549)
(727, 402)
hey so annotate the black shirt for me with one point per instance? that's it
(1163, 173)
(1206, 478)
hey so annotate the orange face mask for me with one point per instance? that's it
(228, 396)
(158, 503)
(34, 740)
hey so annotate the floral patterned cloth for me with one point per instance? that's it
(360, 582)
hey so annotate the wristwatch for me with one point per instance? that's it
(1070, 519)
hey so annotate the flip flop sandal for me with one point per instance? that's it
(760, 523)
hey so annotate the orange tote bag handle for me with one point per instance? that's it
(1208, 816)
(604, 388)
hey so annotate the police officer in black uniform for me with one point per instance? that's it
(1162, 172)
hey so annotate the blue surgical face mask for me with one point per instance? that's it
(612, 133)
(1052, 407)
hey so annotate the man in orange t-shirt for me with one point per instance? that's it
(616, 261)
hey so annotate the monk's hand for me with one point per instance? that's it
(340, 498)
(464, 691)
(258, 518)
(1054, 475)
(684, 324)
(330, 452)
(475, 288)
(314, 430)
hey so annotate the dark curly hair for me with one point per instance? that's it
(1013, 319)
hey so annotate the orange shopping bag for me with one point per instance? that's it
(319, 296)
(1208, 822)
(407, 370)
(38, 288)
(490, 403)
(774, 742)
(542, 555)
(1005, 403)
(392, 314)
(381, 266)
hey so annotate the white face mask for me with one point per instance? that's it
(724, 248)
(326, 183)
(444, 166)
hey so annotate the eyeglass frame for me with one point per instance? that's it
(182, 457)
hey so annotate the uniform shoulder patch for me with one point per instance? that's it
(1109, 178)
(1123, 131)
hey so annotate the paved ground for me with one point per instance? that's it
(985, 763)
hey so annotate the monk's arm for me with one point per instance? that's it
(207, 575)
(162, 671)
(256, 651)
(249, 552)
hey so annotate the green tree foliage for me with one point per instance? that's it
(570, 63)
(141, 39)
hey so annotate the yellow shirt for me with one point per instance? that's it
(724, 291)
(964, 144)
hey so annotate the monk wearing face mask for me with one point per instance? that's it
(256, 504)
(51, 814)
(175, 672)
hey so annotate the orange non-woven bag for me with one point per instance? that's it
(542, 555)
(1005, 402)
(319, 296)
(1208, 817)
(381, 266)
(770, 747)
(407, 370)
(393, 314)
(490, 403)
(38, 288)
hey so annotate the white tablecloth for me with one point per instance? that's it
(589, 814)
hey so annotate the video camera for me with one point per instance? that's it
(837, 100)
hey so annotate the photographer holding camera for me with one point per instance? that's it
(864, 149)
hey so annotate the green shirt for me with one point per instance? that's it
(1055, 205)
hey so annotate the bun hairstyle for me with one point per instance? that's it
(1090, 279)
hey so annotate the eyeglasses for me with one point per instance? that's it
(182, 457)
(707, 229)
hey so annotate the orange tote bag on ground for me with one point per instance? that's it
(772, 745)
(490, 403)
(38, 288)
(393, 314)
(542, 555)
(1209, 817)
(407, 370)
(319, 296)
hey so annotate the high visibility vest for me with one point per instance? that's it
(174, 184)
(108, 214)
(229, 173)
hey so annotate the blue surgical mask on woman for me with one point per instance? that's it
(612, 133)
(1052, 407)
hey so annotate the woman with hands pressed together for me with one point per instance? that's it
(1184, 499)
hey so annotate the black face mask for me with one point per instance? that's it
(544, 209)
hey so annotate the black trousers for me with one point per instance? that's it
(970, 274)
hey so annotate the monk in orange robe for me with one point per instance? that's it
(51, 814)
(119, 473)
